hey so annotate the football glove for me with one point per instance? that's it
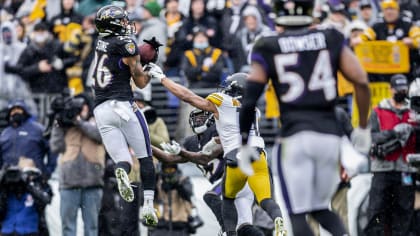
(154, 71)
(209, 147)
(246, 154)
(361, 139)
(171, 148)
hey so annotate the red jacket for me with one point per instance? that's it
(388, 119)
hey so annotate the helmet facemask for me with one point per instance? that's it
(200, 120)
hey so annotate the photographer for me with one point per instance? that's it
(23, 197)
(174, 196)
(80, 165)
(24, 137)
(391, 203)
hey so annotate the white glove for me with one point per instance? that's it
(154, 71)
(353, 161)
(245, 156)
(173, 148)
(361, 139)
(210, 146)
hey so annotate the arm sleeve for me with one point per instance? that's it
(253, 91)
(379, 136)
(90, 130)
(29, 66)
(56, 142)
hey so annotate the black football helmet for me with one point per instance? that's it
(200, 120)
(235, 84)
(113, 20)
(294, 13)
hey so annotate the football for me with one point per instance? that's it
(147, 53)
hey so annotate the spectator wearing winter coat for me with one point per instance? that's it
(81, 168)
(43, 62)
(24, 137)
(253, 28)
(152, 26)
(174, 20)
(199, 18)
(23, 197)
(203, 65)
(12, 85)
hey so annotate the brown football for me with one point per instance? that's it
(147, 53)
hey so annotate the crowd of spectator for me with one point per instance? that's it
(47, 46)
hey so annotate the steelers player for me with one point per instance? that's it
(302, 63)
(225, 107)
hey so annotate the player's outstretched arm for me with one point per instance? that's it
(185, 156)
(180, 91)
(353, 72)
(166, 157)
(139, 77)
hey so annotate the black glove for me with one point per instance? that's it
(154, 42)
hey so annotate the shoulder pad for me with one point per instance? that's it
(215, 98)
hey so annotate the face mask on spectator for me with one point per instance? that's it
(17, 118)
(41, 37)
(400, 97)
(7, 36)
(202, 45)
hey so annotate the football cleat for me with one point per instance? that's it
(279, 229)
(124, 186)
(149, 216)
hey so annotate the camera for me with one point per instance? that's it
(65, 109)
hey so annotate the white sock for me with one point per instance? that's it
(149, 195)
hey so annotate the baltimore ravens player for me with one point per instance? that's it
(225, 107)
(302, 63)
(120, 121)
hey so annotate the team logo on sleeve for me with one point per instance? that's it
(130, 47)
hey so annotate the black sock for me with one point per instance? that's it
(230, 216)
(124, 165)
(215, 204)
(299, 225)
(248, 230)
(330, 221)
(147, 173)
(271, 207)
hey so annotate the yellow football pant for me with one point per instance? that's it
(259, 183)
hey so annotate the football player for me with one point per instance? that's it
(120, 122)
(302, 63)
(225, 106)
(204, 149)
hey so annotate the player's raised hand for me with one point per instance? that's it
(246, 154)
(154, 71)
(171, 148)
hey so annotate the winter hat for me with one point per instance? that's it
(153, 7)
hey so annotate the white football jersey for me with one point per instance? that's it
(227, 124)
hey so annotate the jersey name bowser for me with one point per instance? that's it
(111, 76)
(302, 65)
(227, 124)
